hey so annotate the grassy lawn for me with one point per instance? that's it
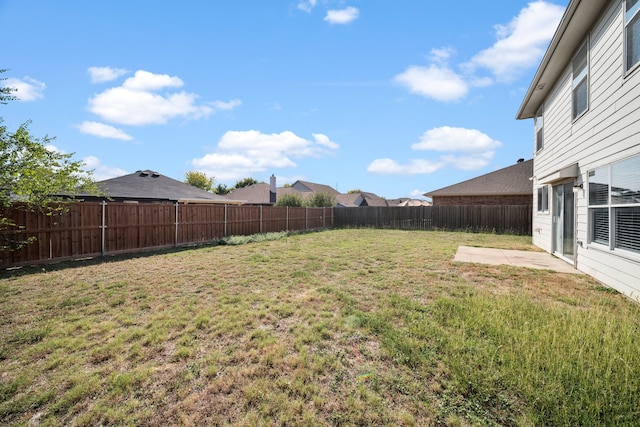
(343, 327)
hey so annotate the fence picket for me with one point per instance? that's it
(90, 229)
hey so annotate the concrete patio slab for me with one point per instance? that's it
(541, 260)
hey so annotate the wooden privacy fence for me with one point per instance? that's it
(90, 229)
(495, 219)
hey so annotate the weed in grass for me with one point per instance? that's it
(30, 335)
(82, 388)
(346, 327)
(202, 321)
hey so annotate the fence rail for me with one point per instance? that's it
(92, 229)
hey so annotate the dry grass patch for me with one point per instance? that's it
(344, 327)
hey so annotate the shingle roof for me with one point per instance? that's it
(306, 186)
(259, 193)
(512, 180)
(349, 200)
(146, 185)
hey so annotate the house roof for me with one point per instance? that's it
(349, 200)
(571, 32)
(414, 202)
(259, 193)
(512, 180)
(147, 185)
(312, 187)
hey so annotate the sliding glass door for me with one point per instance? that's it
(563, 220)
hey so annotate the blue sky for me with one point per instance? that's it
(396, 98)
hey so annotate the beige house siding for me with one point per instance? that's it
(607, 132)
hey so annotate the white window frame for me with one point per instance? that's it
(629, 16)
(612, 207)
(538, 127)
(543, 199)
(580, 75)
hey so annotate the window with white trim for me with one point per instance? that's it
(632, 33)
(580, 84)
(614, 205)
(543, 198)
(538, 123)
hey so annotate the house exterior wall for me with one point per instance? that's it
(607, 132)
(482, 200)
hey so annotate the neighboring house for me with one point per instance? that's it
(311, 187)
(361, 199)
(260, 194)
(145, 186)
(507, 186)
(414, 202)
(350, 200)
(263, 194)
(585, 102)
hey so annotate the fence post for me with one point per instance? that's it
(103, 227)
(225, 220)
(176, 227)
(306, 218)
(260, 218)
(323, 215)
(287, 222)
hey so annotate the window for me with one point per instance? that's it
(543, 199)
(580, 85)
(538, 124)
(614, 205)
(632, 33)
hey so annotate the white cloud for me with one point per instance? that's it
(102, 130)
(417, 194)
(476, 152)
(414, 167)
(54, 149)
(436, 81)
(469, 163)
(324, 140)
(307, 5)
(146, 81)
(105, 74)
(27, 89)
(521, 43)
(225, 106)
(100, 171)
(447, 138)
(342, 16)
(243, 153)
(441, 55)
(92, 164)
(137, 102)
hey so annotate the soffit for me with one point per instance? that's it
(574, 26)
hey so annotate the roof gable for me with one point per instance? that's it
(512, 180)
(259, 193)
(150, 185)
(578, 19)
(306, 187)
